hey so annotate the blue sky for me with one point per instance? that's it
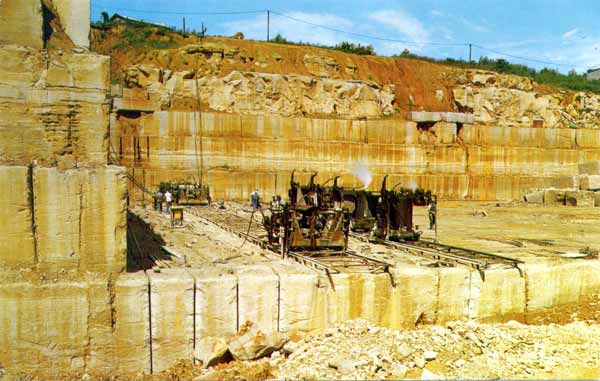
(563, 33)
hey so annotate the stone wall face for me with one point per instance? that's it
(53, 108)
(62, 208)
(21, 23)
(242, 152)
(74, 17)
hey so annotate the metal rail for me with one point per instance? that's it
(329, 261)
(451, 255)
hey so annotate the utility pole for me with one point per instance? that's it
(184, 25)
(470, 46)
(268, 23)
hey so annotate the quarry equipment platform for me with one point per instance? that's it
(329, 261)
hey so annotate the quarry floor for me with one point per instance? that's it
(558, 343)
(531, 233)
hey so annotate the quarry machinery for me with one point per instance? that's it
(187, 193)
(312, 220)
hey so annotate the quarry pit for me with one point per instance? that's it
(96, 283)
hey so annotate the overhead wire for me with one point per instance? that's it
(350, 33)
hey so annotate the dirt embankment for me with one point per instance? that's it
(417, 83)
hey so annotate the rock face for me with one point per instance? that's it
(76, 27)
(21, 23)
(263, 93)
(506, 100)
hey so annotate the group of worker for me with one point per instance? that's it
(277, 202)
(159, 197)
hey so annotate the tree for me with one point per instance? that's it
(105, 18)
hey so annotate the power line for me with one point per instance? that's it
(99, 4)
(350, 33)
(526, 59)
(366, 35)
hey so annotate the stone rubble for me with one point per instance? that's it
(458, 350)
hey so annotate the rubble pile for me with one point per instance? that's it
(359, 350)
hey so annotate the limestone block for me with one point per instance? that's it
(445, 132)
(564, 182)
(21, 23)
(57, 206)
(500, 298)
(590, 182)
(101, 355)
(258, 296)
(104, 219)
(80, 218)
(172, 317)
(358, 295)
(535, 197)
(132, 324)
(75, 20)
(301, 305)
(414, 299)
(551, 286)
(454, 288)
(16, 234)
(216, 303)
(44, 327)
(590, 168)
(579, 198)
(554, 197)
(596, 199)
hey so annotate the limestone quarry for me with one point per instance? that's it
(98, 284)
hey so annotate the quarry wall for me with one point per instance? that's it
(509, 140)
(146, 321)
(66, 304)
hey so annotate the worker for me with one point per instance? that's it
(274, 203)
(282, 202)
(158, 198)
(255, 199)
(431, 211)
(169, 200)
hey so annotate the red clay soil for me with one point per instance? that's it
(412, 78)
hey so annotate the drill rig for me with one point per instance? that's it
(313, 220)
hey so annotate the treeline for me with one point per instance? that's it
(346, 47)
(546, 76)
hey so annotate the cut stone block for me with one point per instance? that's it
(554, 197)
(590, 168)
(300, 306)
(172, 317)
(535, 197)
(258, 297)
(21, 23)
(16, 234)
(596, 199)
(414, 299)
(590, 182)
(216, 303)
(579, 198)
(44, 327)
(75, 19)
(132, 324)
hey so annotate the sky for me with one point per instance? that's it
(558, 34)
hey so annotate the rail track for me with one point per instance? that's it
(250, 228)
(447, 255)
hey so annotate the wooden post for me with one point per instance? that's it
(184, 25)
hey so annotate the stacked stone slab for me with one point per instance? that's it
(585, 193)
